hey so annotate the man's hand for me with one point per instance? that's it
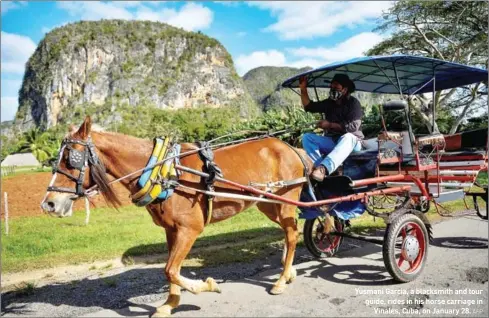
(303, 83)
(324, 124)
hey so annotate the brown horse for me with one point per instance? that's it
(183, 215)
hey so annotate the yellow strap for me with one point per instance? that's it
(156, 190)
(154, 173)
(209, 211)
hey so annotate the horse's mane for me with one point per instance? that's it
(98, 175)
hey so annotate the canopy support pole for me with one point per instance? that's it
(380, 68)
(397, 78)
(433, 104)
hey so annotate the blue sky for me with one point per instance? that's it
(256, 33)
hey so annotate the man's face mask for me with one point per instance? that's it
(335, 94)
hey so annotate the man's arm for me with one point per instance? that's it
(309, 106)
(354, 118)
(327, 125)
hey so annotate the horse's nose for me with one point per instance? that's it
(48, 206)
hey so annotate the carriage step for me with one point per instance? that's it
(450, 196)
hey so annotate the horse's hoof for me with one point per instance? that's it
(213, 287)
(278, 289)
(163, 311)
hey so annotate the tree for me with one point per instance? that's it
(43, 145)
(454, 31)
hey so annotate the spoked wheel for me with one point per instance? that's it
(319, 243)
(405, 248)
(480, 201)
(480, 205)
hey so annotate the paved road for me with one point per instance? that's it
(341, 286)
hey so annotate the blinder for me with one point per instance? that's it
(76, 158)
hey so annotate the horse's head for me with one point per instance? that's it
(78, 167)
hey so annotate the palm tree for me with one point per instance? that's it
(42, 146)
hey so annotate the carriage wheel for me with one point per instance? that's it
(480, 204)
(405, 248)
(320, 244)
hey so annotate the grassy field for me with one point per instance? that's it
(43, 242)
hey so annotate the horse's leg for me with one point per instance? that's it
(173, 299)
(288, 223)
(185, 238)
(284, 215)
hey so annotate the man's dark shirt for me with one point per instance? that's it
(348, 114)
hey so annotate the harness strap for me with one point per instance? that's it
(207, 157)
(306, 173)
(61, 189)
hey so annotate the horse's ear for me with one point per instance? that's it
(84, 129)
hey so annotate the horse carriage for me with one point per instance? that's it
(397, 174)
(190, 185)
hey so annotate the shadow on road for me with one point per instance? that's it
(135, 287)
(461, 242)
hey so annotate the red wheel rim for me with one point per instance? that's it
(405, 265)
(328, 242)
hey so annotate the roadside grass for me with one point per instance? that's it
(25, 288)
(45, 242)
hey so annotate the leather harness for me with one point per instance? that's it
(78, 160)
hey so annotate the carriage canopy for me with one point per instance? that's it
(394, 74)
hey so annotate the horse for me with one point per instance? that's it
(183, 214)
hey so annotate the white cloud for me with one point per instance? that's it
(9, 107)
(244, 63)
(126, 4)
(306, 20)
(95, 10)
(353, 47)
(241, 34)
(10, 5)
(312, 57)
(16, 50)
(190, 17)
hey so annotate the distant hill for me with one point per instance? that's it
(102, 65)
(263, 84)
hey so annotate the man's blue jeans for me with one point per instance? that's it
(317, 146)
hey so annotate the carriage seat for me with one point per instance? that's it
(431, 141)
(394, 105)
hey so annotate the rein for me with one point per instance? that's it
(92, 190)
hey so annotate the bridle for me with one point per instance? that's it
(78, 160)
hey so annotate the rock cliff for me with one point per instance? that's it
(103, 64)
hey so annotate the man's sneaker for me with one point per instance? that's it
(319, 173)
